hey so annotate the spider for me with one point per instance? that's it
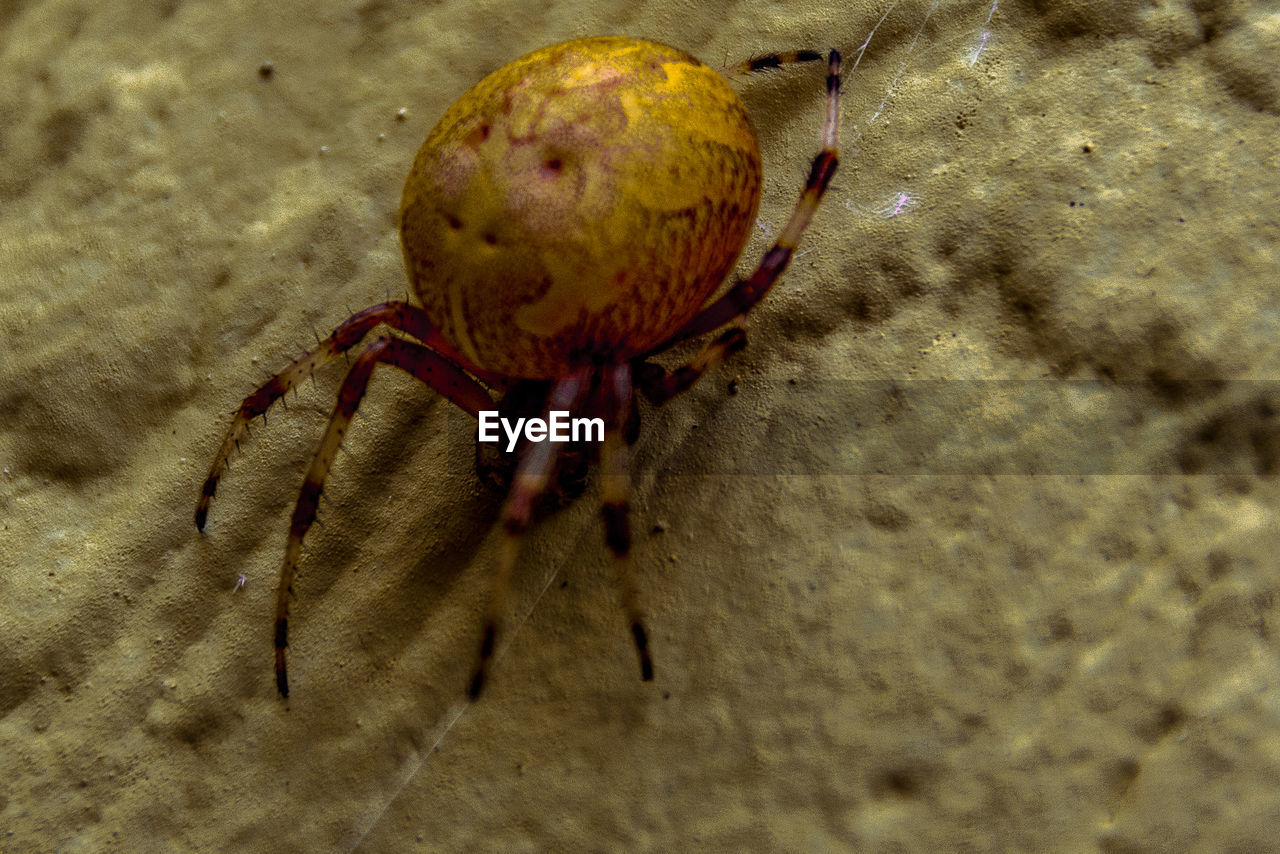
(571, 216)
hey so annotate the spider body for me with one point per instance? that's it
(579, 204)
(571, 216)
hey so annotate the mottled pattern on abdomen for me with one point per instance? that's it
(579, 205)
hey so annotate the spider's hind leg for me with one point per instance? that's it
(770, 61)
(400, 315)
(743, 296)
(421, 362)
(655, 382)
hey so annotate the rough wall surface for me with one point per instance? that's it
(979, 556)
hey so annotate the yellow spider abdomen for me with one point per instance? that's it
(579, 205)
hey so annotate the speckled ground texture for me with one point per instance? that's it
(980, 556)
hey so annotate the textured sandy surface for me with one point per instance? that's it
(966, 562)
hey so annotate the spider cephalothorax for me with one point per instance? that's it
(568, 218)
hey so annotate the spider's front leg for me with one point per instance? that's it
(535, 470)
(615, 485)
(415, 359)
(533, 473)
(496, 466)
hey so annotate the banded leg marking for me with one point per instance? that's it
(422, 363)
(659, 386)
(743, 296)
(400, 315)
(615, 485)
(771, 61)
(532, 476)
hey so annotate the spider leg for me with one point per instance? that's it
(659, 386)
(614, 486)
(400, 315)
(745, 294)
(416, 359)
(768, 62)
(532, 476)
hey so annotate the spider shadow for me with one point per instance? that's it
(420, 556)
(408, 514)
